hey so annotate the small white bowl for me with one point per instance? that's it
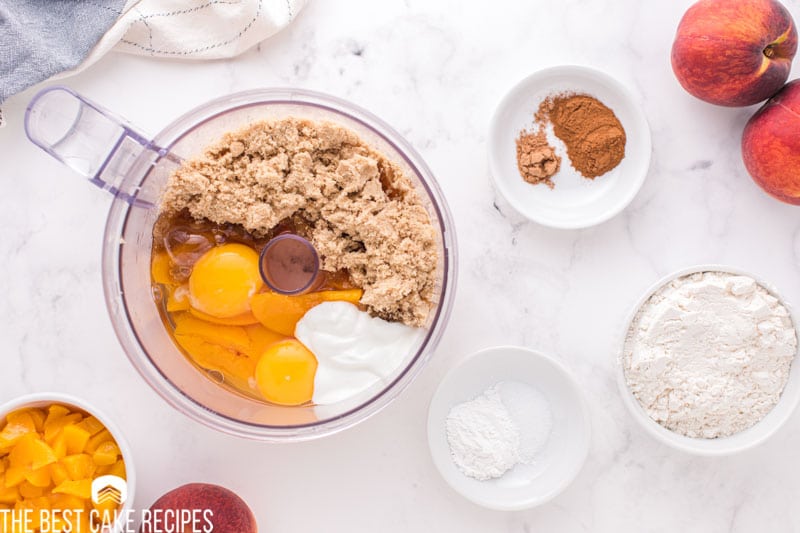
(46, 399)
(563, 455)
(738, 442)
(575, 202)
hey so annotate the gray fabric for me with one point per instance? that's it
(40, 38)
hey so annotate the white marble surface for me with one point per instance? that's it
(434, 70)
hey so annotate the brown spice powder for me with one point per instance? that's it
(592, 133)
(536, 159)
(361, 211)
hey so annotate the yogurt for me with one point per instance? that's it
(354, 350)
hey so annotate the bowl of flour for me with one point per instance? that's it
(509, 428)
(707, 361)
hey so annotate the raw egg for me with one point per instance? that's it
(224, 279)
(285, 373)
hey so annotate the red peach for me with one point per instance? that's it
(771, 145)
(734, 53)
(226, 512)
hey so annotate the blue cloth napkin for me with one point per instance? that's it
(40, 38)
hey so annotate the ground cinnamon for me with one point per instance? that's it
(592, 133)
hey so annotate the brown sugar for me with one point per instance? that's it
(536, 159)
(360, 210)
(592, 133)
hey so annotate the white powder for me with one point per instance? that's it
(709, 354)
(508, 424)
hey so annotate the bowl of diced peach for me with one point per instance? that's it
(64, 466)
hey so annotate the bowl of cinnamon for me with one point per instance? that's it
(569, 147)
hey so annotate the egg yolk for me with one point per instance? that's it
(224, 279)
(285, 373)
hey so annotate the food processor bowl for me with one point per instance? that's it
(113, 155)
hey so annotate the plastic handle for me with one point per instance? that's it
(87, 138)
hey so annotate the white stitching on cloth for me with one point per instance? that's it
(190, 10)
(196, 50)
(107, 8)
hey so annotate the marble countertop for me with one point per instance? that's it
(434, 70)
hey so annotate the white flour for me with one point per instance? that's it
(508, 424)
(709, 354)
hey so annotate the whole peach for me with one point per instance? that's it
(734, 52)
(771, 145)
(199, 507)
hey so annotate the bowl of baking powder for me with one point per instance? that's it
(707, 361)
(509, 428)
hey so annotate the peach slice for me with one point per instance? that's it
(245, 319)
(261, 338)
(233, 364)
(233, 337)
(281, 313)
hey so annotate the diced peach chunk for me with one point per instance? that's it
(18, 425)
(94, 442)
(39, 477)
(76, 439)
(38, 416)
(9, 495)
(118, 469)
(40, 504)
(58, 473)
(14, 476)
(31, 452)
(68, 501)
(106, 454)
(28, 490)
(81, 488)
(59, 445)
(92, 425)
(281, 313)
(53, 427)
(79, 466)
(55, 412)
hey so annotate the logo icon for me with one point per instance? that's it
(109, 489)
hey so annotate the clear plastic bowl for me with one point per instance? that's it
(137, 177)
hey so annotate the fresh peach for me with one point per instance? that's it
(226, 512)
(734, 53)
(771, 145)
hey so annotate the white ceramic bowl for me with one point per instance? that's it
(563, 455)
(741, 441)
(46, 399)
(575, 202)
